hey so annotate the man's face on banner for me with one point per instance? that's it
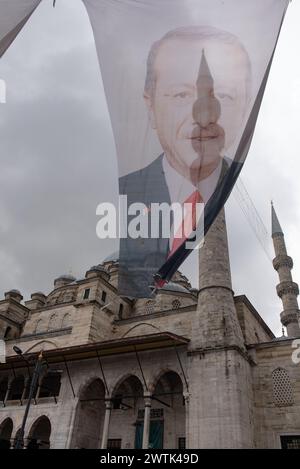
(198, 102)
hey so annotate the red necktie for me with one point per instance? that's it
(190, 220)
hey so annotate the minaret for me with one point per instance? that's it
(287, 290)
(218, 317)
(219, 368)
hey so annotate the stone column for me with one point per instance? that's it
(108, 407)
(146, 431)
(26, 386)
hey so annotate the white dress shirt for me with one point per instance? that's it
(180, 189)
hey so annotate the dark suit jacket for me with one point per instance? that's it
(140, 259)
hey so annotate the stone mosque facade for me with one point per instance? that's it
(187, 369)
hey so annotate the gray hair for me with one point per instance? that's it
(188, 33)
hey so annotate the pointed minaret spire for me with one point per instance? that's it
(287, 290)
(276, 228)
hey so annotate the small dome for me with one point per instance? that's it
(64, 280)
(114, 257)
(172, 286)
(14, 292)
(67, 277)
(97, 270)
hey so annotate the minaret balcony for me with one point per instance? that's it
(282, 260)
(285, 288)
(289, 316)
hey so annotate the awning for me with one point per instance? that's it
(102, 349)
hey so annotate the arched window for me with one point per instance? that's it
(68, 297)
(282, 388)
(150, 305)
(66, 322)
(176, 304)
(39, 326)
(39, 435)
(52, 322)
(6, 429)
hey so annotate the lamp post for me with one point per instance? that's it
(38, 366)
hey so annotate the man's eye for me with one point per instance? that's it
(182, 95)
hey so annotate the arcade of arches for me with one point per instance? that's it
(37, 438)
(131, 417)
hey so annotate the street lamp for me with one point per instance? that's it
(38, 366)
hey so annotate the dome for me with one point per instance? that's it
(14, 292)
(67, 277)
(96, 271)
(114, 257)
(174, 287)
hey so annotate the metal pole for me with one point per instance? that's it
(35, 377)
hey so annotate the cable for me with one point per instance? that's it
(251, 214)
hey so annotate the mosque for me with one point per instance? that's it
(187, 369)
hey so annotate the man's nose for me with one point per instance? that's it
(206, 110)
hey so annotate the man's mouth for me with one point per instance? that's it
(204, 138)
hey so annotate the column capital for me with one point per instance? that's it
(186, 396)
(108, 403)
(147, 398)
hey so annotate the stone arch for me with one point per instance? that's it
(66, 321)
(89, 416)
(127, 403)
(161, 374)
(39, 326)
(18, 431)
(39, 434)
(84, 386)
(168, 403)
(40, 345)
(120, 380)
(140, 325)
(52, 322)
(6, 429)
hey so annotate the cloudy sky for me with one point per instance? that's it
(58, 161)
